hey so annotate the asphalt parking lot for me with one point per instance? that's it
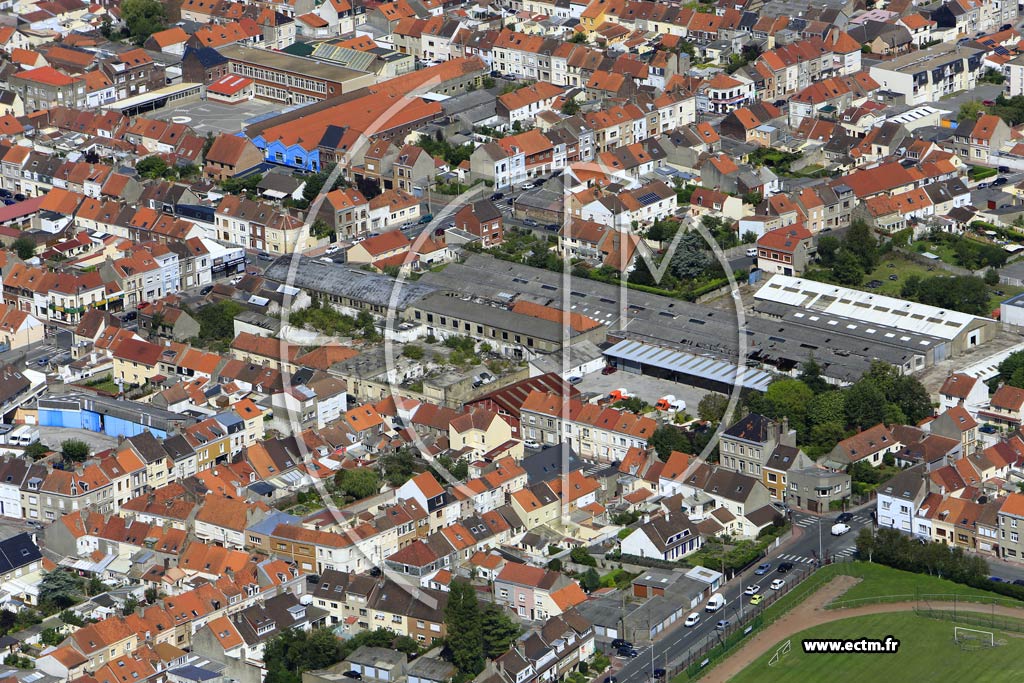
(646, 388)
(205, 116)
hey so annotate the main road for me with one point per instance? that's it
(679, 642)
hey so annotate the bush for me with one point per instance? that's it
(579, 555)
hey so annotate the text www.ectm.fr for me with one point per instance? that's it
(888, 645)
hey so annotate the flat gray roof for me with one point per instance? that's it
(281, 61)
(334, 279)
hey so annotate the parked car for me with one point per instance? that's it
(235, 280)
(575, 379)
(5, 193)
(982, 186)
(9, 202)
(988, 103)
(206, 290)
(530, 443)
(497, 195)
(692, 620)
(620, 643)
(19, 197)
(988, 429)
(130, 316)
(844, 517)
(784, 567)
(756, 599)
(777, 584)
(527, 186)
(264, 256)
(354, 675)
(751, 251)
(530, 222)
(608, 370)
(722, 624)
(659, 673)
(996, 579)
(763, 568)
(425, 219)
(333, 249)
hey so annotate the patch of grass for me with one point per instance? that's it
(926, 653)
(879, 581)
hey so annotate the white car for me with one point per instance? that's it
(777, 584)
(692, 620)
(530, 443)
(235, 280)
(333, 249)
(526, 186)
(752, 590)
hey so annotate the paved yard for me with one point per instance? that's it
(648, 389)
(214, 117)
(53, 436)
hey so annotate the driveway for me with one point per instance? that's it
(646, 388)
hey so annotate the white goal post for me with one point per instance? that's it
(961, 633)
(782, 651)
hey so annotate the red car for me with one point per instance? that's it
(989, 103)
(608, 369)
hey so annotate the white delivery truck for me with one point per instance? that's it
(840, 529)
(715, 603)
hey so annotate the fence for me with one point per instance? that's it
(924, 597)
(720, 644)
(993, 620)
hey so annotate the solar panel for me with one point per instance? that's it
(648, 198)
(1000, 50)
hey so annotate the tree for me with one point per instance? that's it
(359, 483)
(865, 404)
(668, 438)
(51, 636)
(498, 630)
(712, 407)
(129, 605)
(36, 450)
(641, 274)
(847, 269)
(691, 259)
(152, 595)
(59, 590)
(24, 247)
(590, 580)
(862, 243)
(143, 18)
(571, 107)
(152, 167)
(810, 374)
(398, 467)
(579, 555)
(74, 450)
(217, 321)
(970, 111)
(463, 621)
(293, 651)
(827, 407)
(789, 398)
(911, 287)
(828, 246)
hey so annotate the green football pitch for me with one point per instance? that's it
(927, 652)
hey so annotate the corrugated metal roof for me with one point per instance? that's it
(689, 364)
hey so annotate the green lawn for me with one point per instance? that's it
(903, 268)
(926, 653)
(878, 580)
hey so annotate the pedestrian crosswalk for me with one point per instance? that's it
(805, 521)
(845, 552)
(861, 519)
(811, 521)
(797, 558)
